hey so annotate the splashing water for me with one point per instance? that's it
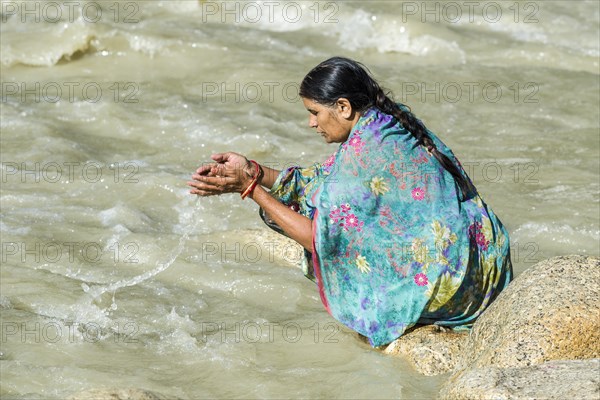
(96, 291)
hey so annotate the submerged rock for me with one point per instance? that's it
(118, 394)
(261, 245)
(431, 349)
(552, 380)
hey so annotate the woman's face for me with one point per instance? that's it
(333, 123)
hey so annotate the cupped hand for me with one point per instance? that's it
(230, 173)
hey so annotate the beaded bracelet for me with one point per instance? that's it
(254, 182)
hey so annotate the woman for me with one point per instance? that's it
(395, 230)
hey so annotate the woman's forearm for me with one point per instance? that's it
(296, 226)
(269, 176)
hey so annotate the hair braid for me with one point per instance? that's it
(419, 132)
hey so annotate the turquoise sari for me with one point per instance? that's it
(394, 241)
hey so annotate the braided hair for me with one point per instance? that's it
(340, 77)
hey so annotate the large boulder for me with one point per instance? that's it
(431, 349)
(552, 380)
(549, 312)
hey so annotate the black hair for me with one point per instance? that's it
(340, 77)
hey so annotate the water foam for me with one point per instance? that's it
(21, 42)
(367, 31)
(96, 291)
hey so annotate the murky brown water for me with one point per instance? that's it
(106, 113)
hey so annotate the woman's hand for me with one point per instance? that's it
(231, 173)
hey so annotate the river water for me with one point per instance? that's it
(114, 276)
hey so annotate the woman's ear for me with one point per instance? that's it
(344, 107)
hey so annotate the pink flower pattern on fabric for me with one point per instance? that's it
(480, 239)
(418, 193)
(341, 215)
(335, 215)
(330, 161)
(351, 220)
(421, 279)
(357, 143)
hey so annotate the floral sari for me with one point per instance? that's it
(394, 241)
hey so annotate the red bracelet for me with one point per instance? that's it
(254, 182)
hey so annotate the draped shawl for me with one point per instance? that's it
(394, 241)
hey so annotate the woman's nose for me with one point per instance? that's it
(312, 121)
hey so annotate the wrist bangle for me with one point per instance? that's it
(254, 182)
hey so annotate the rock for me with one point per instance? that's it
(118, 394)
(261, 245)
(552, 380)
(279, 247)
(431, 349)
(549, 312)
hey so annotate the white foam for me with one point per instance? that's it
(22, 230)
(388, 35)
(150, 45)
(5, 302)
(21, 42)
(125, 217)
(76, 313)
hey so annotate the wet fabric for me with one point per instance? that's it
(394, 242)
